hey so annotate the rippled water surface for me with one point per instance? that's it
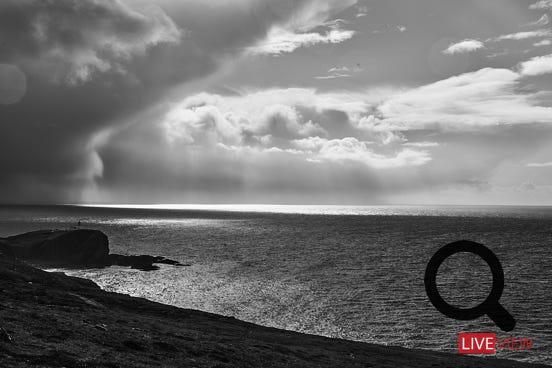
(350, 272)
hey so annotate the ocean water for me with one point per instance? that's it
(348, 272)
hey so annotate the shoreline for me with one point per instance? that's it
(51, 319)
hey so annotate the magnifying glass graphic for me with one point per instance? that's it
(490, 306)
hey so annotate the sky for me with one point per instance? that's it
(276, 101)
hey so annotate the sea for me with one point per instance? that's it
(352, 272)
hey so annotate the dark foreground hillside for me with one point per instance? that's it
(52, 320)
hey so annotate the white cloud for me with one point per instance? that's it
(540, 164)
(421, 144)
(280, 40)
(464, 47)
(542, 4)
(296, 121)
(350, 149)
(524, 35)
(303, 29)
(258, 118)
(543, 43)
(483, 98)
(537, 66)
(254, 102)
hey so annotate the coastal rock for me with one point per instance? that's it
(141, 262)
(73, 248)
(80, 247)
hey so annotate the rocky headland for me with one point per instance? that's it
(75, 248)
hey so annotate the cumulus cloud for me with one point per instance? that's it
(464, 47)
(219, 123)
(537, 66)
(297, 121)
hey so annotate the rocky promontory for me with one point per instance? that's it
(74, 248)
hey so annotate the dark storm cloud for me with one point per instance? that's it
(69, 41)
(75, 57)
(86, 66)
